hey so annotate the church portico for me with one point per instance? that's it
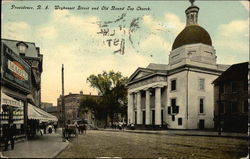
(145, 103)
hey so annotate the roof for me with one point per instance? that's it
(192, 34)
(12, 44)
(237, 72)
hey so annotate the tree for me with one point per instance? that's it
(94, 105)
(111, 85)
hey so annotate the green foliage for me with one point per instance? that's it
(111, 85)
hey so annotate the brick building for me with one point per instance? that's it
(231, 99)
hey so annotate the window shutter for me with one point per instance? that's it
(176, 109)
(169, 110)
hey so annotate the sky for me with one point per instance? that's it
(89, 37)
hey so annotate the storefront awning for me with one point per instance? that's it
(39, 114)
(5, 99)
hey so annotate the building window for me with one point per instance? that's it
(169, 110)
(201, 84)
(179, 121)
(234, 87)
(222, 88)
(21, 48)
(222, 108)
(245, 106)
(173, 85)
(175, 108)
(173, 118)
(201, 101)
(234, 108)
(173, 102)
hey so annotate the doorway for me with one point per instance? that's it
(201, 124)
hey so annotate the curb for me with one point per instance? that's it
(60, 150)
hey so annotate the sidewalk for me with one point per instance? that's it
(185, 133)
(46, 146)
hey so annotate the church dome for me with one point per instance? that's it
(192, 34)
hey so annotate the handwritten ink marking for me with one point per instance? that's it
(114, 31)
(122, 47)
(134, 25)
(39, 7)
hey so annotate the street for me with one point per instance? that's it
(98, 143)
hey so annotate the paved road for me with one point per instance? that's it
(46, 146)
(124, 144)
(207, 133)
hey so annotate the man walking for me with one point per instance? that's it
(9, 136)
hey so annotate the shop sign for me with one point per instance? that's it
(15, 70)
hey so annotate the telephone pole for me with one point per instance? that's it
(63, 106)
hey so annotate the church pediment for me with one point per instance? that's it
(140, 73)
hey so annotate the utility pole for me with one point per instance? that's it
(63, 106)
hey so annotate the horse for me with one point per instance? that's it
(82, 128)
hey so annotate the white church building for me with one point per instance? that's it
(180, 94)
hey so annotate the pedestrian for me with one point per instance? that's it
(44, 128)
(66, 132)
(41, 129)
(84, 128)
(50, 128)
(9, 136)
(55, 127)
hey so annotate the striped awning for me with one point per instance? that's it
(5, 99)
(39, 114)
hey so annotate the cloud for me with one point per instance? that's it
(153, 43)
(173, 22)
(49, 32)
(232, 37)
(235, 28)
(17, 30)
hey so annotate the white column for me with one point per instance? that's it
(138, 110)
(130, 108)
(158, 106)
(147, 107)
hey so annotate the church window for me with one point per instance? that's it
(179, 121)
(201, 84)
(173, 85)
(173, 118)
(201, 104)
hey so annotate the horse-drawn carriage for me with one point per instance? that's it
(69, 130)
